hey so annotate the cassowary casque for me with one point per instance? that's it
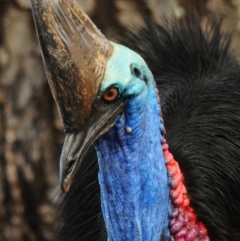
(131, 175)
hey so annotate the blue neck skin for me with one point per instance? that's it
(132, 174)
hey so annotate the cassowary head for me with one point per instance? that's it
(106, 96)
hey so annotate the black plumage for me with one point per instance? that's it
(199, 83)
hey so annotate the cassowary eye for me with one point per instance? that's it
(111, 94)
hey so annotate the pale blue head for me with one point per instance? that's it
(135, 77)
(119, 115)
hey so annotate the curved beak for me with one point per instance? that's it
(77, 144)
(75, 55)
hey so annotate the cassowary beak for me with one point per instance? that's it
(75, 55)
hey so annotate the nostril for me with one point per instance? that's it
(70, 166)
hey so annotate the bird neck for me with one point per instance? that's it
(132, 173)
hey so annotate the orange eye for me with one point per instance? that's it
(111, 95)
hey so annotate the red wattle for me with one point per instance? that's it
(184, 225)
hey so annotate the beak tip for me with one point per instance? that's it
(65, 186)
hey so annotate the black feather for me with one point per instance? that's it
(199, 84)
(81, 216)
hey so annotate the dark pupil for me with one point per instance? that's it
(110, 94)
(137, 72)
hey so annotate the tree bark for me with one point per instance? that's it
(31, 132)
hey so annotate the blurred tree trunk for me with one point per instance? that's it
(29, 132)
(30, 129)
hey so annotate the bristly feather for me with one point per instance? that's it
(81, 215)
(199, 85)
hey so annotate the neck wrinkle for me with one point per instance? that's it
(133, 177)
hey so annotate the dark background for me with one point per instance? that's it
(30, 129)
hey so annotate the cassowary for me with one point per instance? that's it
(133, 176)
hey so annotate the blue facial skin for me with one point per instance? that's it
(132, 174)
